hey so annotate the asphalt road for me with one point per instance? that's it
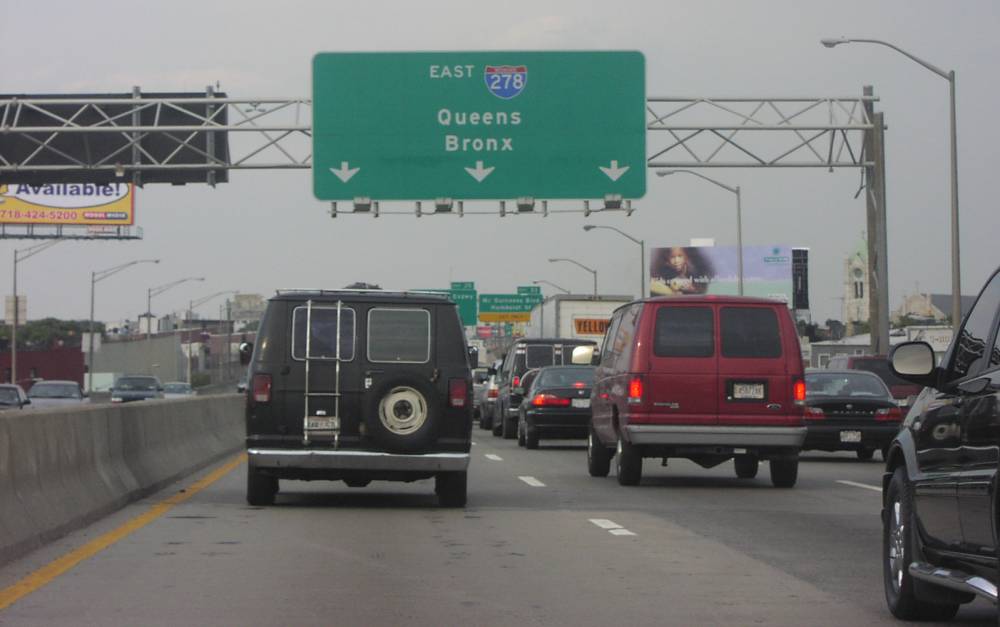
(540, 543)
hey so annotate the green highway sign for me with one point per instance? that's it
(467, 301)
(479, 125)
(463, 285)
(529, 289)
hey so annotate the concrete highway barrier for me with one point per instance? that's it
(61, 469)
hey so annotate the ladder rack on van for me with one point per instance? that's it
(327, 424)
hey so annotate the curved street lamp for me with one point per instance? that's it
(155, 291)
(739, 217)
(956, 272)
(551, 284)
(95, 277)
(21, 255)
(642, 253)
(590, 270)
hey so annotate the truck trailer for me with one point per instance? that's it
(574, 316)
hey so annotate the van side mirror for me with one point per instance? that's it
(473, 356)
(246, 352)
(596, 359)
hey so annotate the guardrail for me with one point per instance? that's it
(64, 468)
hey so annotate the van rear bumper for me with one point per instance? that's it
(357, 460)
(711, 435)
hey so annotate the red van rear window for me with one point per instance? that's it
(750, 332)
(684, 332)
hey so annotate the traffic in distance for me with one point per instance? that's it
(370, 387)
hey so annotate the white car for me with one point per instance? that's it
(56, 394)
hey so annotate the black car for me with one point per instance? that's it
(556, 404)
(136, 388)
(525, 355)
(940, 496)
(359, 385)
(849, 410)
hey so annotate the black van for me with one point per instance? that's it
(358, 385)
(528, 354)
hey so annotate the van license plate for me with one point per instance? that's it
(580, 402)
(322, 423)
(850, 436)
(754, 391)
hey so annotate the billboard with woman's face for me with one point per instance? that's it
(685, 270)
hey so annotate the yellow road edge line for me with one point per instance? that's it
(46, 574)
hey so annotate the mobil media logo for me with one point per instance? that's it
(506, 81)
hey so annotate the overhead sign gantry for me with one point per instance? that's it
(479, 125)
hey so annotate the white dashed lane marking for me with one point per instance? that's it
(860, 485)
(535, 483)
(495, 458)
(611, 527)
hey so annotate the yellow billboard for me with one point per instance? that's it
(112, 204)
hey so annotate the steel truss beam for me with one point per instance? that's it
(268, 133)
(68, 231)
(757, 132)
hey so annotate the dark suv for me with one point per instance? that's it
(940, 497)
(359, 385)
(525, 355)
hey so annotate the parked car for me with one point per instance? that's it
(56, 393)
(359, 386)
(130, 388)
(849, 410)
(903, 391)
(525, 355)
(178, 389)
(12, 397)
(556, 404)
(707, 378)
(940, 497)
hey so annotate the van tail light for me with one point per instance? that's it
(458, 393)
(893, 414)
(635, 389)
(492, 393)
(549, 400)
(799, 392)
(262, 388)
(814, 413)
(516, 381)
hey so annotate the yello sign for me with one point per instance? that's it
(479, 125)
(68, 203)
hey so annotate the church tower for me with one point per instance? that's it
(856, 290)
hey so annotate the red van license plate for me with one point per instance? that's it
(748, 391)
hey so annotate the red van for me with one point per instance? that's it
(707, 378)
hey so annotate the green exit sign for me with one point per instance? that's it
(479, 125)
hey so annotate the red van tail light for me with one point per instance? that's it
(516, 381)
(457, 392)
(814, 413)
(799, 392)
(262, 388)
(889, 414)
(492, 393)
(635, 387)
(549, 400)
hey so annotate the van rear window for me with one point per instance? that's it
(538, 355)
(399, 335)
(323, 335)
(684, 332)
(750, 332)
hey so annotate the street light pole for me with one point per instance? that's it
(590, 270)
(95, 276)
(642, 253)
(739, 217)
(550, 283)
(956, 272)
(21, 255)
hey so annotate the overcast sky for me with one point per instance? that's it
(264, 230)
